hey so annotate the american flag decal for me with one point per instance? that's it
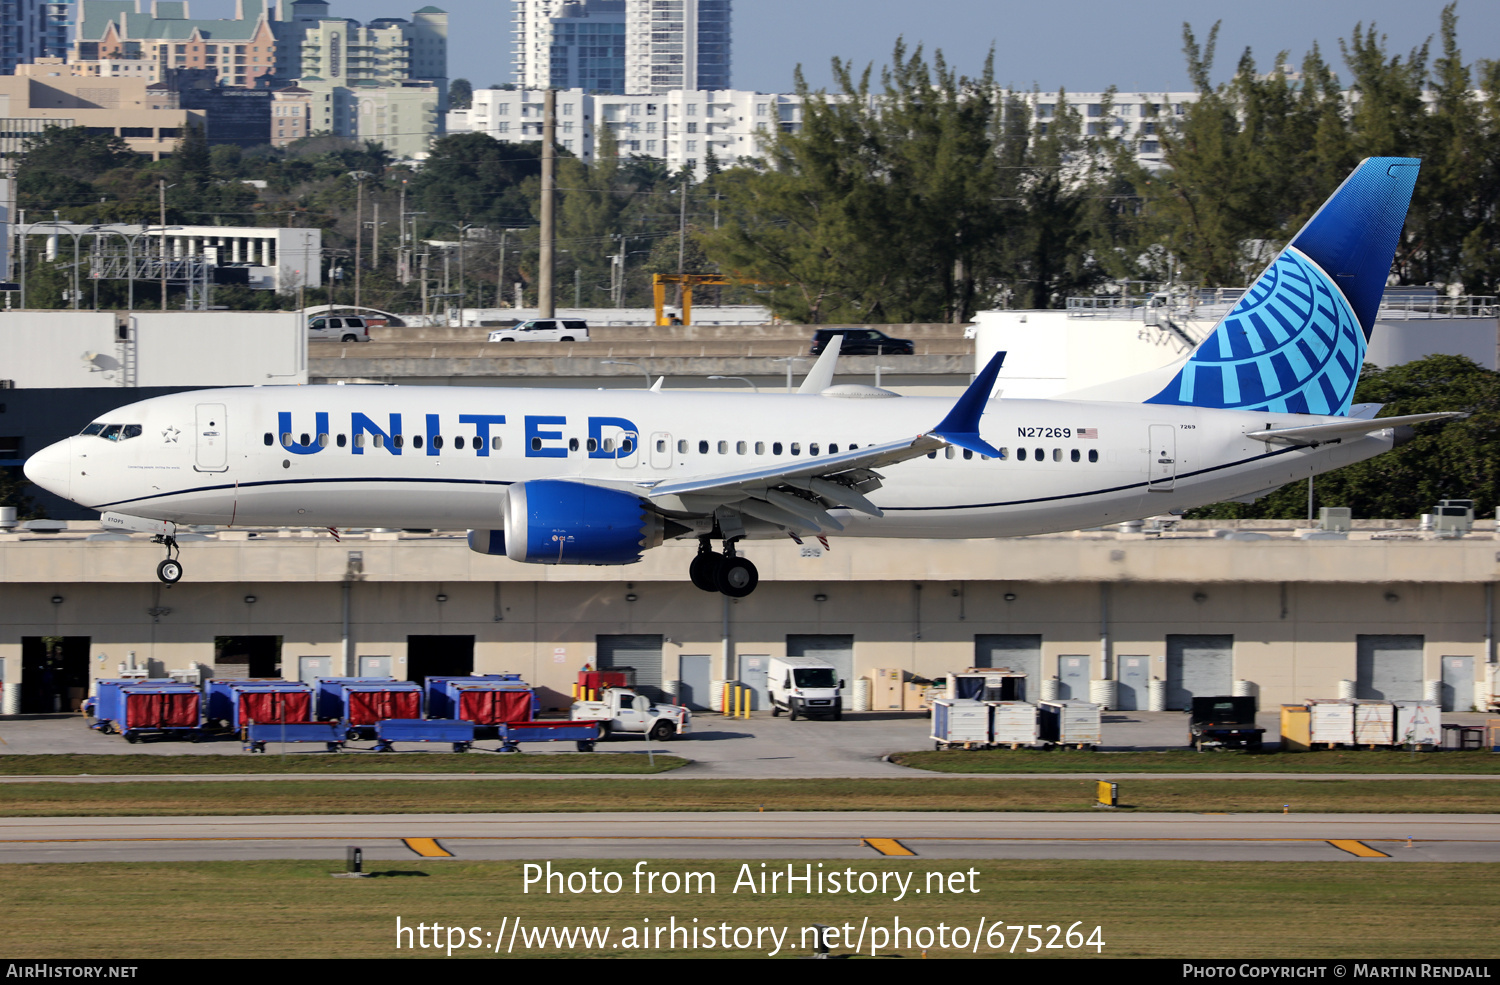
(1088, 432)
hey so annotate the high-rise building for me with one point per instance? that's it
(622, 46)
(31, 29)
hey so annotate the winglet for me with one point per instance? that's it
(961, 426)
(820, 377)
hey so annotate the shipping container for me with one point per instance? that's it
(1013, 723)
(1070, 723)
(1374, 723)
(1332, 721)
(960, 721)
(1418, 723)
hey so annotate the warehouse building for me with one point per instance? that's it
(1386, 609)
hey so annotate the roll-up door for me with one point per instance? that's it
(1198, 666)
(1021, 652)
(1388, 668)
(641, 651)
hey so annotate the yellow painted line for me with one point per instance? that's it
(888, 846)
(1358, 848)
(427, 847)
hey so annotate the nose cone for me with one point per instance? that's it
(52, 468)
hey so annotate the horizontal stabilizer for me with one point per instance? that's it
(1316, 434)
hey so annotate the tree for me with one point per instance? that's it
(460, 94)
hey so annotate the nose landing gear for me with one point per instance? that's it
(726, 573)
(170, 570)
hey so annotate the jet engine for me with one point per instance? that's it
(554, 521)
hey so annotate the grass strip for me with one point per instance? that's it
(1188, 761)
(148, 798)
(59, 764)
(282, 909)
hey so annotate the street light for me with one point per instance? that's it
(740, 378)
(788, 360)
(65, 228)
(359, 220)
(621, 362)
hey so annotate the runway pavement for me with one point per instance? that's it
(1369, 838)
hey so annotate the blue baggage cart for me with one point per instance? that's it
(363, 706)
(329, 696)
(224, 699)
(256, 734)
(584, 732)
(160, 708)
(108, 705)
(390, 730)
(439, 701)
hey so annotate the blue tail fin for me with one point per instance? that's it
(1295, 342)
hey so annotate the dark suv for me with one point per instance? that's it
(862, 342)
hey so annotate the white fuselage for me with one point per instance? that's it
(443, 456)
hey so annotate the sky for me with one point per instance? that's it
(1082, 45)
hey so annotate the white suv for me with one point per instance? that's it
(341, 328)
(544, 330)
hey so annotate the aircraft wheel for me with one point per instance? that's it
(737, 577)
(169, 571)
(704, 571)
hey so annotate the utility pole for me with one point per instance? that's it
(161, 193)
(359, 225)
(375, 238)
(681, 233)
(544, 303)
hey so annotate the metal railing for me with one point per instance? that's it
(1203, 304)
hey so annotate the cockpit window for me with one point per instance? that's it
(114, 432)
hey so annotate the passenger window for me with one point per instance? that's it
(776, 448)
(398, 440)
(458, 443)
(437, 441)
(416, 441)
(1074, 455)
(270, 439)
(494, 443)
(703, 447)
(609, 444)
(572, 444)
(739, 448)
(359, 440)
(627, 446)
(305, 439)
(796, 447)
(760, 448)
(812, 449)
(1020, 454)
(379, 440)
(682, 446)
(1041, 454)
(950, 452)
(322, 441)
(536, 444)
(932, 454)
(341, 440)
(286, 439)
(833, 449)
(1057, 454)
(661, 445)
(968, 455)
(854, 447)
(1004, 453)
(1093, 455)
(723, 448)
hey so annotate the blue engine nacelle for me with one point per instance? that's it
(487, 541)
(554, 521)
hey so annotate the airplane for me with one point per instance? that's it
(552, 476)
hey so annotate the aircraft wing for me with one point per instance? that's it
(799, 493)
(1316, 434)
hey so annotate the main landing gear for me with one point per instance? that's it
(727, 573)
(170, 570)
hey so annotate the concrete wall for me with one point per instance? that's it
(84, 348)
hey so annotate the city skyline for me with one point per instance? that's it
(1083, 45)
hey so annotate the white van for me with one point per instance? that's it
(804, 686)
(544, 330)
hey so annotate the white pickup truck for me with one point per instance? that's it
(622, 710)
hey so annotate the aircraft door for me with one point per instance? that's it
(212, 439)
(661, 450)
(1162, 461)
